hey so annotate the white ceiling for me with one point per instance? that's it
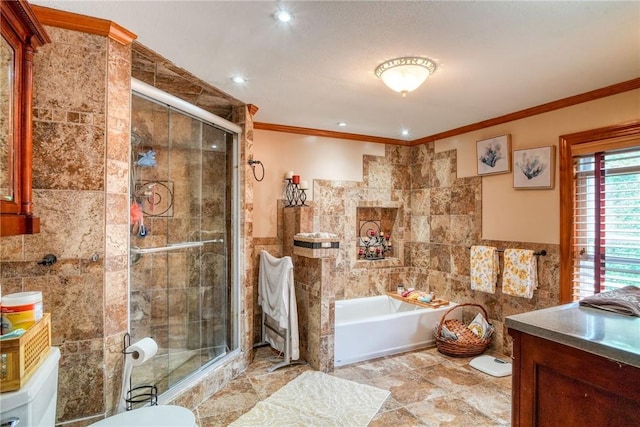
(493, 58)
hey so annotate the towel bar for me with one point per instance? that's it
(541, 253)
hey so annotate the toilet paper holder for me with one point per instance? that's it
(142, 394)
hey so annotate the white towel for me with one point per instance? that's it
(520, 275)
(277, 297)
(484, 268)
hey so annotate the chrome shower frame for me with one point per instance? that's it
(235, 246)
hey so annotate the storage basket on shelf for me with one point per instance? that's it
(468, 344)
(20, 357)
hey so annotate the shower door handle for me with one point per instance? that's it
(172, 247)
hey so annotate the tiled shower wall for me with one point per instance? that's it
(80, 170)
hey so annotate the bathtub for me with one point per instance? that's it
(378, 326)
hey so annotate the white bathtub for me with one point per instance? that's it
(378, 326)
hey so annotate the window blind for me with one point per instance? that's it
(606, 222)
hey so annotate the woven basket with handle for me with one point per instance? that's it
(468, 344)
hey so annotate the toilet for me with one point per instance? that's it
(34, 404)
(151, 416)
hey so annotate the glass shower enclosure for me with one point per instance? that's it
(182, 280)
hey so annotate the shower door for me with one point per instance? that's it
(180, 276)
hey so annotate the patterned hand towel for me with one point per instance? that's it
(520, 275)
(484, 268)
(623, 301)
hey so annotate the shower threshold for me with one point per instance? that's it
(183, 365)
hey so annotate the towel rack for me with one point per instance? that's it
(540, 253)
(285, 334)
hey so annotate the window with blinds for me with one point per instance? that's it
(606, 221)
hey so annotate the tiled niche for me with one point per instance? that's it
(379, 217)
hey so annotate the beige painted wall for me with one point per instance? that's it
(311, 157)
(534, 215)
(507, 214)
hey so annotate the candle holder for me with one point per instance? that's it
(295, 195)
(374, 245)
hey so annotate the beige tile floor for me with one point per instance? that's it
(427, 389)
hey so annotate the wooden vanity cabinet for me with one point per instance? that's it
(22, 34)
(558, 385)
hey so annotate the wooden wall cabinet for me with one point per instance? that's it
(22, 34)
(557, 385)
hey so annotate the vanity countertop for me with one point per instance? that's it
(600, 332)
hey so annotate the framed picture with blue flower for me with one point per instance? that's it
(534, 168)
(494, 155)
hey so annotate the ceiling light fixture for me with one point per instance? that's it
(283, 16)
(238, 79)
(405, 132)
(405, 74)
(342, 124)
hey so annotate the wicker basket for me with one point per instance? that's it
(468, 344)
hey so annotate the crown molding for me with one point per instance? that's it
(327, 133)
(533, 111)
(84, 23)
(253, 109)
(528, 112)
(39, 36)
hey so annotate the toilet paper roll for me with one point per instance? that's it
(142, 351)
(135, 355)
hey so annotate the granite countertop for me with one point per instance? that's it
(600, 332)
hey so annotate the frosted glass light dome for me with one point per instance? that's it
(405, 74)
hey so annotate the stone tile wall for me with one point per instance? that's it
(116, 278)
(446, 221)
(153, 69)
(80, 181)
(438, 218)
(386, 187)
(500, 305)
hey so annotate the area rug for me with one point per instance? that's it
(317, 399)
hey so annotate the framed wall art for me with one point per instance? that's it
(534, 168)
(493, 155)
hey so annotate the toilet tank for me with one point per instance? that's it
(34, 404)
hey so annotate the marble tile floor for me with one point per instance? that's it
(427, 389)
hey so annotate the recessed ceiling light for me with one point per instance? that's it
(238, 79)
(342, 124)
(405, 132)
(283, 16)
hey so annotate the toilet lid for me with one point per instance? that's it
(151, 416)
